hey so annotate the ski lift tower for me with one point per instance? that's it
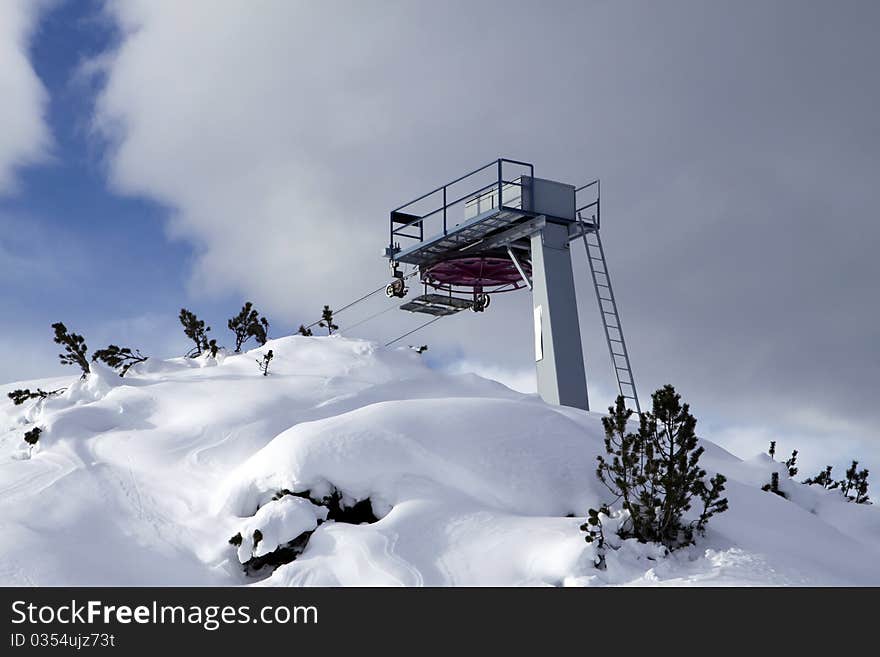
(499, 229)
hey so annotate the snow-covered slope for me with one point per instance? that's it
(143, 480)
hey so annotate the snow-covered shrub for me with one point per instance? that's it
(303, 330)
(280, 529)
(358, 513)
(855, 486)
(248, 324)
(33, 436)
(773, 486)
(121, 358)
(823, 479)
(195, 330)
(655, 472)
(22, 395)
(263, 362)
(791, 464)
(595, 533)
(327, 320)
(257, 537)
(75, 348)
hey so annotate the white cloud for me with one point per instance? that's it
(280, 134)
(224, 113)
(24, 137)
(281, 137)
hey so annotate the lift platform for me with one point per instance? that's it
(498, 229)
(439, 305)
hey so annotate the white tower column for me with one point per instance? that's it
(559, 357)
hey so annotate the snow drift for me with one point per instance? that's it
(355, 465)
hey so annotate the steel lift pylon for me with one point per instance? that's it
(513, 231)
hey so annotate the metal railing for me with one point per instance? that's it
(589, 196)
(422, 209)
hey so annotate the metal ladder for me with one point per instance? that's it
(610, 317)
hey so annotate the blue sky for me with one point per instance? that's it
(108, 263)
(199, 154)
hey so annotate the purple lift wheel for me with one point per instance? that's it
(481, 273)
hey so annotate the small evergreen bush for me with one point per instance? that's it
(248, 324)
(823, 479)
(595, 533)
(855, 486)
(121, 358)
(655, 472)
(195, 330)
(22, 395)
(791, 464)
(303, 330)
(773, 486)
(33, 436)
(327, 320)
(75, 349)
(264, 362)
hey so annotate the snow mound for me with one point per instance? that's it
(511, 456)
(351, 464)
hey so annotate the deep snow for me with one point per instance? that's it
(143, 480)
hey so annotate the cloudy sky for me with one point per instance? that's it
(159, 154)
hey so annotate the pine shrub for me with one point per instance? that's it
(823, 479)
(655, 472)
(791, 464)
(264, 362)
(773, 486)
(195, 330)
(31, 437)
(596, 533)
(121, 358)
(304, 330)
(248, 324)
(327, 320)
(75, 349)
(22, 395)
(855, 486)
